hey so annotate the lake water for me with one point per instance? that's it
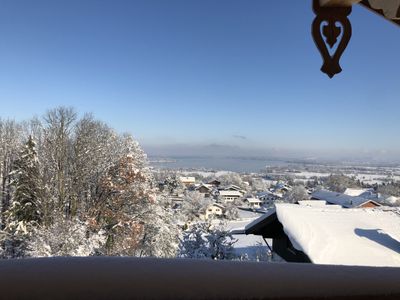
(234, 164)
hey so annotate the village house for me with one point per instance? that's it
(371, 194)
(343, 200)
(365, 193)
(253, 202)
(187, 180)
(205, 189)
(268, 198)
(215, 183)
(233, 187)
(331, 235)
(229, 196)
(280, 189)
(176, 201)
(214, 210)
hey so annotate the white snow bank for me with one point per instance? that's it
(360, 237)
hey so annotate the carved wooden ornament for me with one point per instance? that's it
(330, 18)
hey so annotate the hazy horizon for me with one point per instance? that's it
(229, 151)
(206, 77)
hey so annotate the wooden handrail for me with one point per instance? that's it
(134, 278)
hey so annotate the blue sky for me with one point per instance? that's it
(226, 72)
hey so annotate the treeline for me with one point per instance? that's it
(73, 186)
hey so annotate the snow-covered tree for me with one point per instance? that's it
(25, 212)
(27, 199)
(66, 238)
(390, 189)
(94, 150)
(124, 205)
(339, 183)
(194, 205)
(136, 223)
(204, 240)
(84, 179)
(231, 210)
(57, 148)
(161, 237)
(232, 178)
(173, 185)
(260, 185)
(10, 142)
(297, 193)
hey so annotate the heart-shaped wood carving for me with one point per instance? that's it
(329, 34)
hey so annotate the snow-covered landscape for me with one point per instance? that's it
(209, 149)
(72, 186)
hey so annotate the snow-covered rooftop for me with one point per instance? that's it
(339, 198)
(362, 237)
(207, 186)
(317, 203)
(187, 179)
(253, 200)
(218, 205)
(355, 192)
(268, 193)
(230, 193)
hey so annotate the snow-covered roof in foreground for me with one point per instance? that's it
(317, 203)
(361, 237)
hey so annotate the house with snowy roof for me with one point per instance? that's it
(371, 194)
(268, 197)
(205, 189)
(214, 210)
(216, 183)
(233, 187)
(187, 180)
(176, 201)
(253, 202)
(281, 188)
(344, 200)
(358, 192)
(229, 196)
(331, 235)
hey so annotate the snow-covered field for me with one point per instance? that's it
(206, 173)
(375, 178)
(369, 177)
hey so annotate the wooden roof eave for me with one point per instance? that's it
(269, 227)
(394, 11)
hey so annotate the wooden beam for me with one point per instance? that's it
(389, 9)
(341, 3)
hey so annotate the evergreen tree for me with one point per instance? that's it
(24, 213)
(25, 210)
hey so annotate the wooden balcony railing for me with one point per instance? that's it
(133, 278)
